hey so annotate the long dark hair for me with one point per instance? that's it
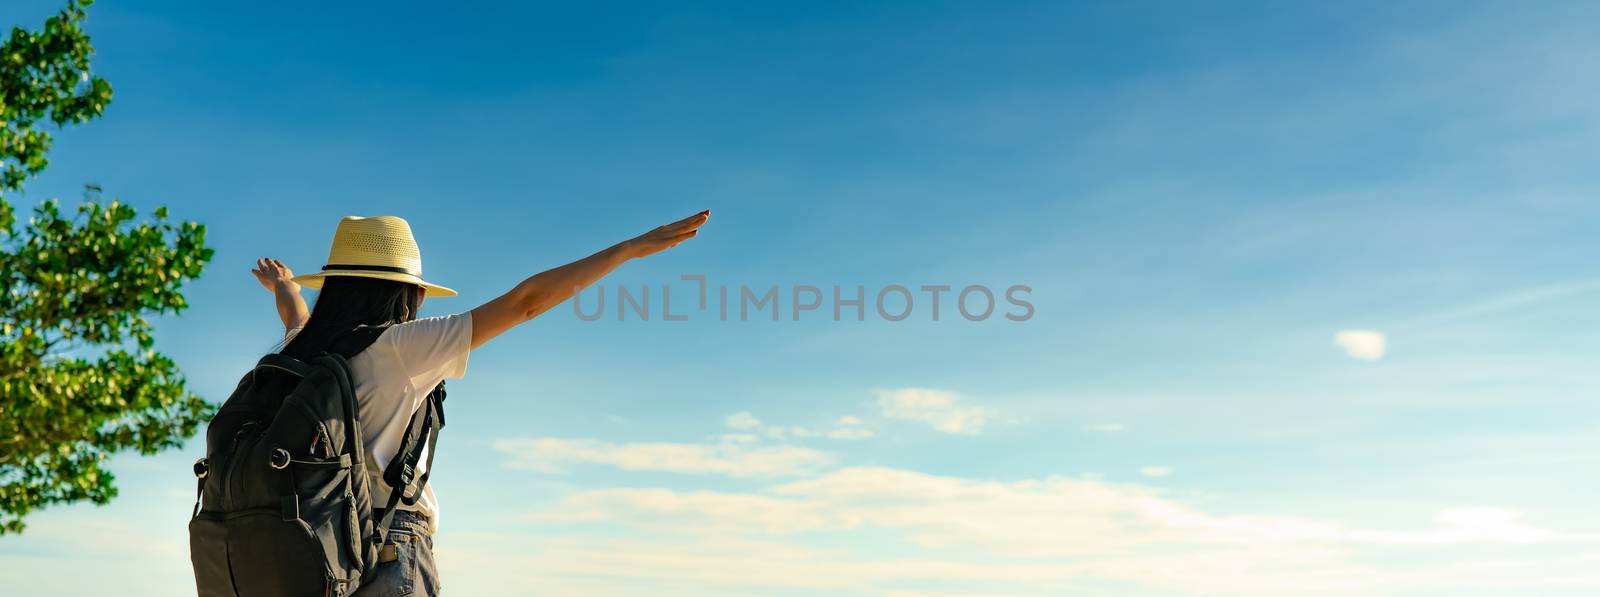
(348, 301)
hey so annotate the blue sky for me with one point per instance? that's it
(1202, 198)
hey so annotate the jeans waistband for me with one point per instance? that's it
(416, 521)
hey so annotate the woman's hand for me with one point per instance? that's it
(665, 237)
(549, 288)
(274, 275)
(278, 280)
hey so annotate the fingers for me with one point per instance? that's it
(689, 223)
(684, 229)
(673, 242)
(699, 217)
(267, 266)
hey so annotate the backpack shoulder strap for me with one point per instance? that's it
(285, 363)
(404, 484)
(351, 342)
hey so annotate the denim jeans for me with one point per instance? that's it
(412, 572)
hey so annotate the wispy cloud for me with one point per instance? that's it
(1036, 536)
(850, 433)
(1510, 302)
(749, 428)
(742, 420)
(1106, 427)
(140, 555)
(1155, 471)
(848, 427)
(1366, 345)
(935, 407)
(734, 459)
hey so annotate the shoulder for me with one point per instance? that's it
(441, 324)
(432, 346)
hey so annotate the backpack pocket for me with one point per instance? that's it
(328, 508)
(208, 551)
(272, 557)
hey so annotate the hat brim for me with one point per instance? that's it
(315, 280)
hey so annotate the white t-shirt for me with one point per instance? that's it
(392, 378)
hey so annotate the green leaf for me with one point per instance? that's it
(84, 282)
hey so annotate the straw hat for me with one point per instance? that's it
(374, 247)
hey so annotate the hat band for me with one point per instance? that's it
(373, 268)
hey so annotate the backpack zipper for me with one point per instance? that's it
(235, 458)
(323, 436)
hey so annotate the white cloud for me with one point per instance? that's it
(1046, 536)
(731, 458)
(934, 407)
(742, 420)
(845, 428)
(1512, 302)
(1366, 345)
(848, 427)
(850, 433)
(1472, 524)
(1155, 471)
(135, 554)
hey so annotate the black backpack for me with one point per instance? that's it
(283, 507)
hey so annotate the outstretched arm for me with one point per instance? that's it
(276, 278)
(547, 289)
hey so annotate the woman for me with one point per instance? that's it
(374, 276)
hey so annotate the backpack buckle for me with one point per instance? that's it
(279, 459)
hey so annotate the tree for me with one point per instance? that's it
(79, 380)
